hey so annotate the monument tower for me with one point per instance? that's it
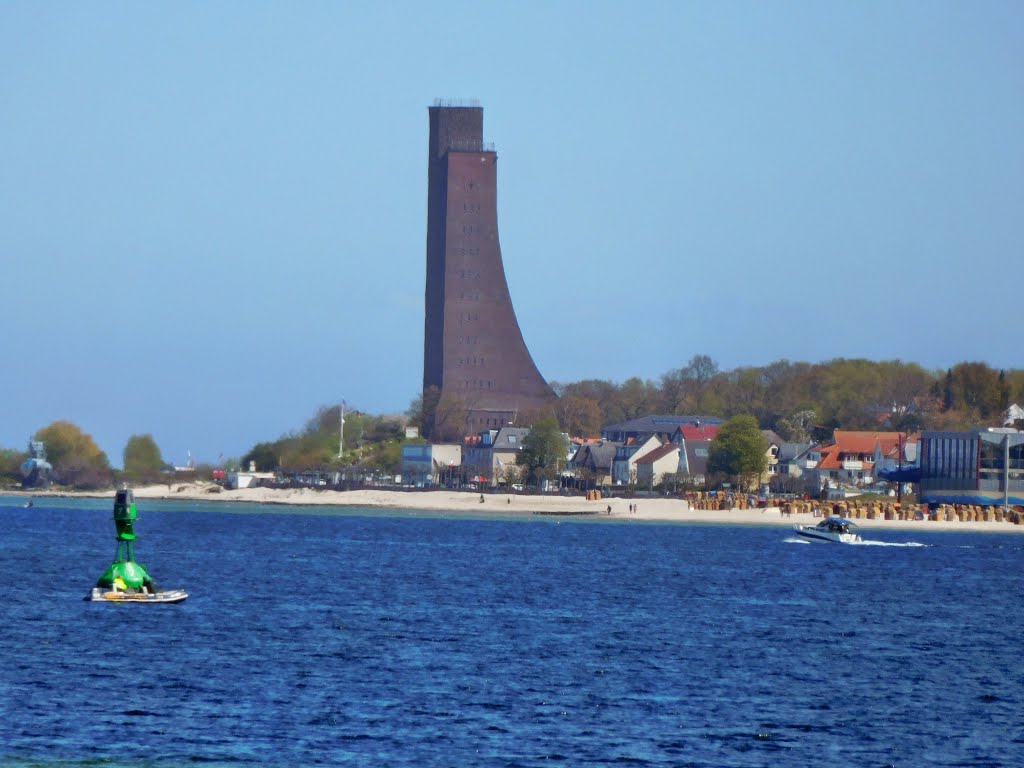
(472, 345)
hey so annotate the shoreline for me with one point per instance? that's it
(647, 509)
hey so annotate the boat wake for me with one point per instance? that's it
(870, 543)
(867, 543)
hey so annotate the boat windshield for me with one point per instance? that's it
(837, 525)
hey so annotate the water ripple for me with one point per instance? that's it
(341, 638)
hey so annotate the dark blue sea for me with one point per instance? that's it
(348, 637)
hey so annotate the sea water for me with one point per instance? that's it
(348, 637)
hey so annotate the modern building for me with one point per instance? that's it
(436, 464)
(984, 467)
(473, 347)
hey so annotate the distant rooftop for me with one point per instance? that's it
(658, 453)
(654, 425)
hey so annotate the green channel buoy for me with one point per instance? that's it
(126, 580)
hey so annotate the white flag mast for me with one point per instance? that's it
(341, 429)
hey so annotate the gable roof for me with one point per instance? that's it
(830, 457)
(851, 441)
(595, 456)
(658, 453)
(510, 438)
(793, 451)
(699, 431)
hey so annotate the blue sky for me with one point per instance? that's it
(213, 215)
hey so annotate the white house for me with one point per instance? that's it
(654, 464)
(627, 455)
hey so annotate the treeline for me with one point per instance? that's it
(371, 442)
(802, 401)
(78, 462)
(799, 401)
(76, 459)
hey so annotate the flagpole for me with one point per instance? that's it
(341, 428)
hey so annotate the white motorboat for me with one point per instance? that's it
(837, 530)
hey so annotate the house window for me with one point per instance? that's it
(512, 439)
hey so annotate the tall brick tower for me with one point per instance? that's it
(472, 345)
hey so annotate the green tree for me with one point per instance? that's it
(264, 455)
(440, 416)
(371, 442)
(10, 465)
(604, 393)
(685, 389)
(543, 450)
(76, 459)
(797, 427)
(739, 450)
(142, 456)
(578, 415)
(1015, 386)
(637, 397)
(386, 456)
(978, 389)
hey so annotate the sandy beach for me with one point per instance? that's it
(503, 504)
